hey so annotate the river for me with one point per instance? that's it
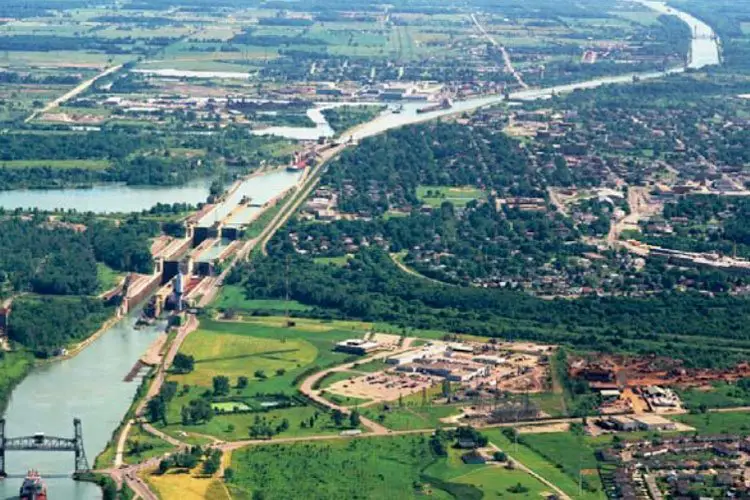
(90, 386)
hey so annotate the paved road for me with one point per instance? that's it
(506, 57)
(71, 94)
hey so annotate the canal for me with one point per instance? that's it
(89, 386)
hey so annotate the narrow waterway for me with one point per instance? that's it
(89, 386)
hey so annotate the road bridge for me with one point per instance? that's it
(42, 442)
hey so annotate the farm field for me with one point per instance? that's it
(176, 485)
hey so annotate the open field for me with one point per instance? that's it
(718, 423)
(459, 196)
(408, 417)
(176, 485)
(142, 445)
(233, 297)
(541, 466)
(235, 355)
(717, 395)
(387, 467)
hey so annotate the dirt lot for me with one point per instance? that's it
(544, 429)
(382, 386)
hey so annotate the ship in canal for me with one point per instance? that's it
(33, 488)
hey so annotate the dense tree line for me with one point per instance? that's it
(47, 258)
(45, 324)
(704, 331)
(136, 157)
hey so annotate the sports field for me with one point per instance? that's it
(459, 196)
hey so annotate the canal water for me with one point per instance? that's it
(88, 386)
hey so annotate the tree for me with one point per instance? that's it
(338, 417)
(228, 474)
(221, 385)
(183, 363)
(156, 409)
(242, 382)
(354, 419)
(500, 456)
(260, 374)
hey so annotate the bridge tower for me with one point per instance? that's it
(82, 465)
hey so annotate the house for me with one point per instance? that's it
(654, 423)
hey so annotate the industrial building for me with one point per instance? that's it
(356, 346)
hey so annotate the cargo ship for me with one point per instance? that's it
(445, 103)
(33, 488)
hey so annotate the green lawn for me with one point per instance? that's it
(411, 416)
(333, 261)
(343, 400)
(58, 164)
(235, 426)
(541, 466)
(223, 353)
(371, 366)
(141, 446)
(333, 377)
(718, 423)
(496, 482)
(233, 297)
(108, 277)
(459, 196)
(235, 349)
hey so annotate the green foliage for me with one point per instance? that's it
(183, 363)
(343, 118)
(45, 324)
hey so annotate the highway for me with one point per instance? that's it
(82, 87)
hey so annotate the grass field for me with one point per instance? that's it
(718, 423)
(58, 164)
(222, 353)
(333, 377)
(108, 278)
(459, 196)
(374, 468)
(333, 261)
(568, 452)
(410, 417)
(179, 486)
(137, 437)
(236, 349)
(343, 400)
(721, 395)
(233, 297)
(542, 466)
